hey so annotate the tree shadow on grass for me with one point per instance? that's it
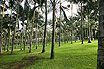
(25, 62)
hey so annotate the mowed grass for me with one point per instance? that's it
(68, 56)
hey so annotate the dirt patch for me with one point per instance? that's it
(20, 66)
(30, 58)
(26, 61)
(1, 54)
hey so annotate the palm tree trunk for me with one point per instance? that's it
(53, 31)
(18, 35)
(9, 31)
(38, 40)
(81, 25)
(60, 25)
(21, 40)
(44, 41)
(26, 35)
(30, 41)
(5, 44)
(94, 33)
(64, 38)
(17, 41)
(37, 30)
(14, 35)
(13, 40)
(87, 31)
(100, 56)
(67, 38)
(75, 37)
(89, 41)
(59, 36)
(25, 40)
(0, 38)
(31, 35)
(0, 45)
(36, 34)
(71, 36)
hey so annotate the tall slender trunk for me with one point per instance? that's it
(49, 40)
(59, 37)
(91, 32)
(37, 30)
(45, 30)
(0, 45)
(64, 37)
(22, 36)
(89, 41)
(24, 40)
(5, 44)
(36, 34)
(46, 39)
(38, 40)
(60, 25)
(75, 37)
(53, 31)
(31, 38)
(71, 36)
(81, 24)
(17, 40)
(67, 38)
(21, 40)
(94, 33)
(26, 34)
(31, 35)
(72, 23)
(9, 31)
(100, 56)
(18, 35)
(0, 38)
(13, 40)
(87, 31)
(14, 35)
(1, 29)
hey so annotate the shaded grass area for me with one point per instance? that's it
(68, 56)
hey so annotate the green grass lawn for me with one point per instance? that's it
(68, 56)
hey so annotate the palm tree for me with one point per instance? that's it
(14, 31)
(81, 22)
(53, 31)
(81, 11)
(44, 41)
(32, 26)
(0, 39)
(37, 30)
(1, 29)
(100, 57)
(60, 26)
(12, 4)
